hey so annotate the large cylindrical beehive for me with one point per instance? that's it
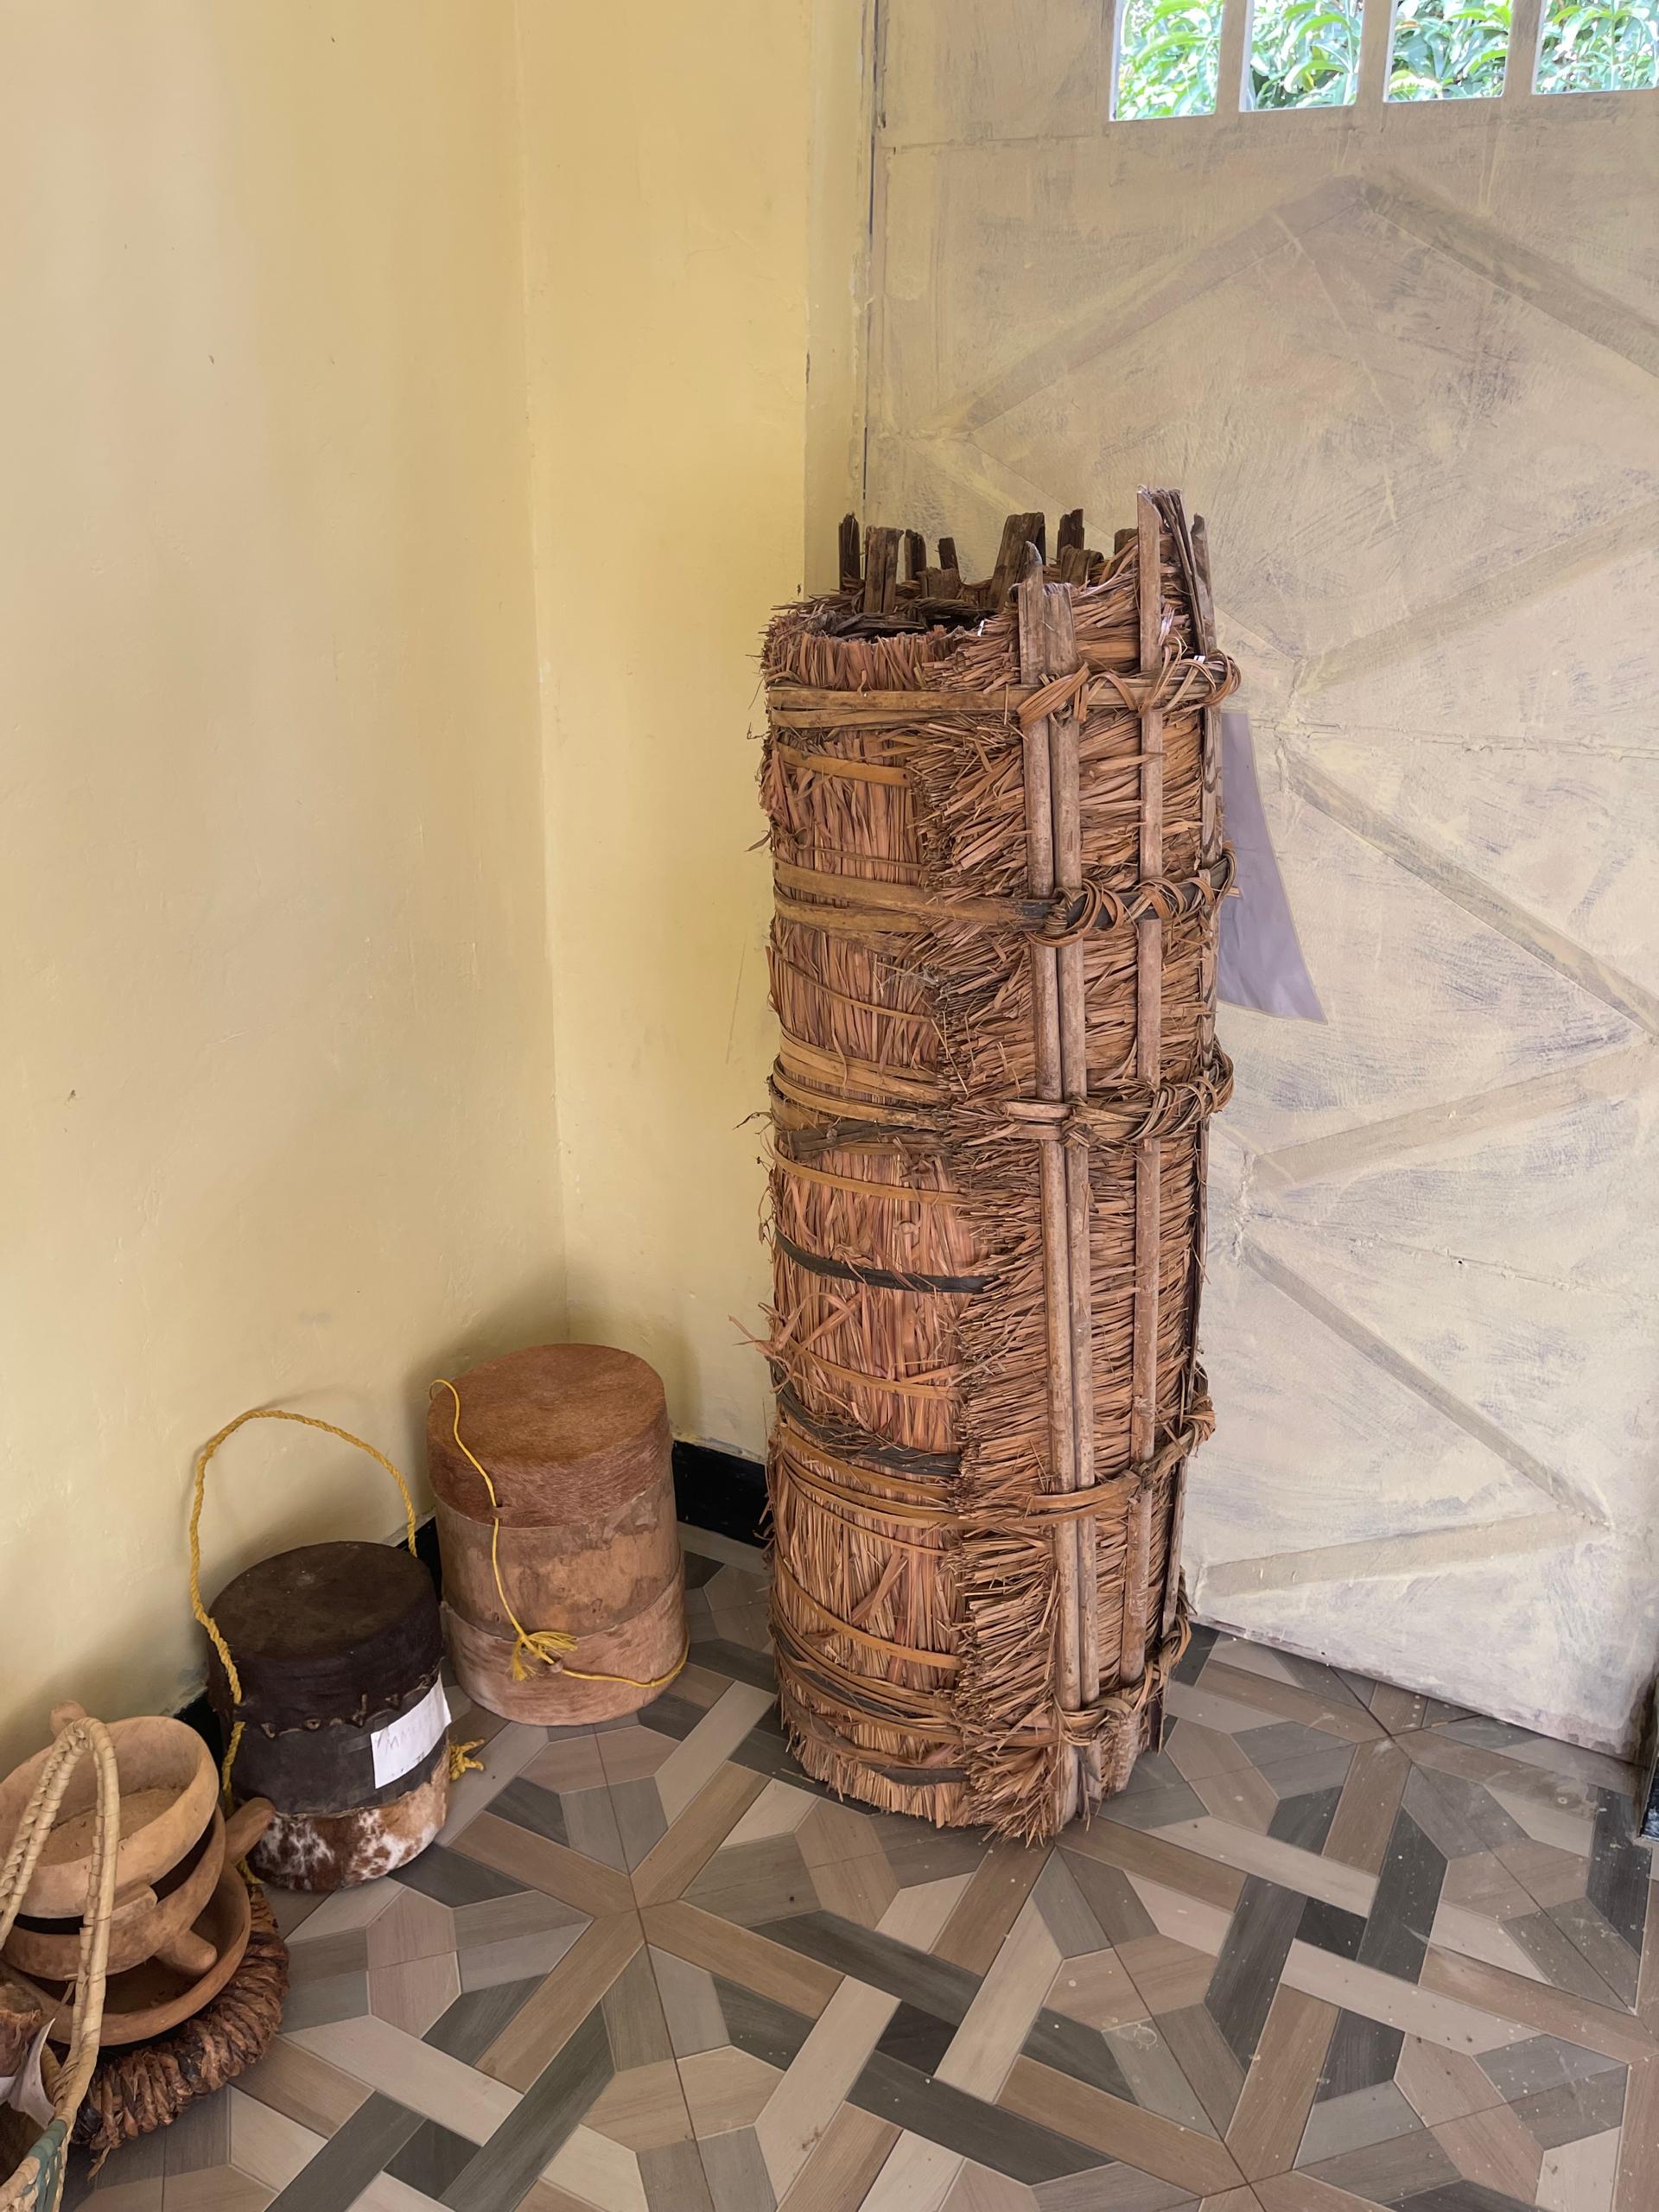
(579, 1538)
(340, 1648)
(998, 856)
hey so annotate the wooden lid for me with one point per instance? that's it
(566, 1431)
(327, 1632)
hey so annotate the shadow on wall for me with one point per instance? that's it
(717, 1486)
(681, 1354)
(535, 1317)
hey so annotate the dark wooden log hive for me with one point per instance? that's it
(335, 1645)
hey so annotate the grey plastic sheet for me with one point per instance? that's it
(1261, 962)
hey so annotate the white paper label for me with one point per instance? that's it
(404, 1742)
(26, 2092)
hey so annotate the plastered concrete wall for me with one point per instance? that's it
(671, 216)
(278, 1084)
(1405, 360)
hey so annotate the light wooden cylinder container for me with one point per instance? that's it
(574, 1439)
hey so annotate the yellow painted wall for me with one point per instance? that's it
(669, 202)
(277, 1088)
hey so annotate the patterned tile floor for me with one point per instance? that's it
(1338, 1946)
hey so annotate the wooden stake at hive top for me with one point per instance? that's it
(992, 959)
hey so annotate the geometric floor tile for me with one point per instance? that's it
(1336, 1946)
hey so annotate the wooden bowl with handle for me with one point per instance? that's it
(152, 1920)
(150, 1998)
(168, 1789)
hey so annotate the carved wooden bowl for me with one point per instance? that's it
(152, 1920)
(150, 1998)
(168, 1789)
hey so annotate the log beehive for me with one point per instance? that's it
(340, 1652)
(578, 1539)
(997, 854)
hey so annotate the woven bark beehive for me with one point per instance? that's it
(998, 857)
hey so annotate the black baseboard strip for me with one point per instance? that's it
(722, 1492)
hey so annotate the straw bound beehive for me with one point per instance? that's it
(998, 857)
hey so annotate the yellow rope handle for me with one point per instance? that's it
(305, 1420)
(544, 1646)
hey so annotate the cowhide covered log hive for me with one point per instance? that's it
(339, 1652)
(998, 856)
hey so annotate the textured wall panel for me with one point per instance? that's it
(1406, 361)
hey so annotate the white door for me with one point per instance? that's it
(1406, 359)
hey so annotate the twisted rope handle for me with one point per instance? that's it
(78, 1739)
(305, 1420)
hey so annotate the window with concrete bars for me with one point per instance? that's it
(1207, 57)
